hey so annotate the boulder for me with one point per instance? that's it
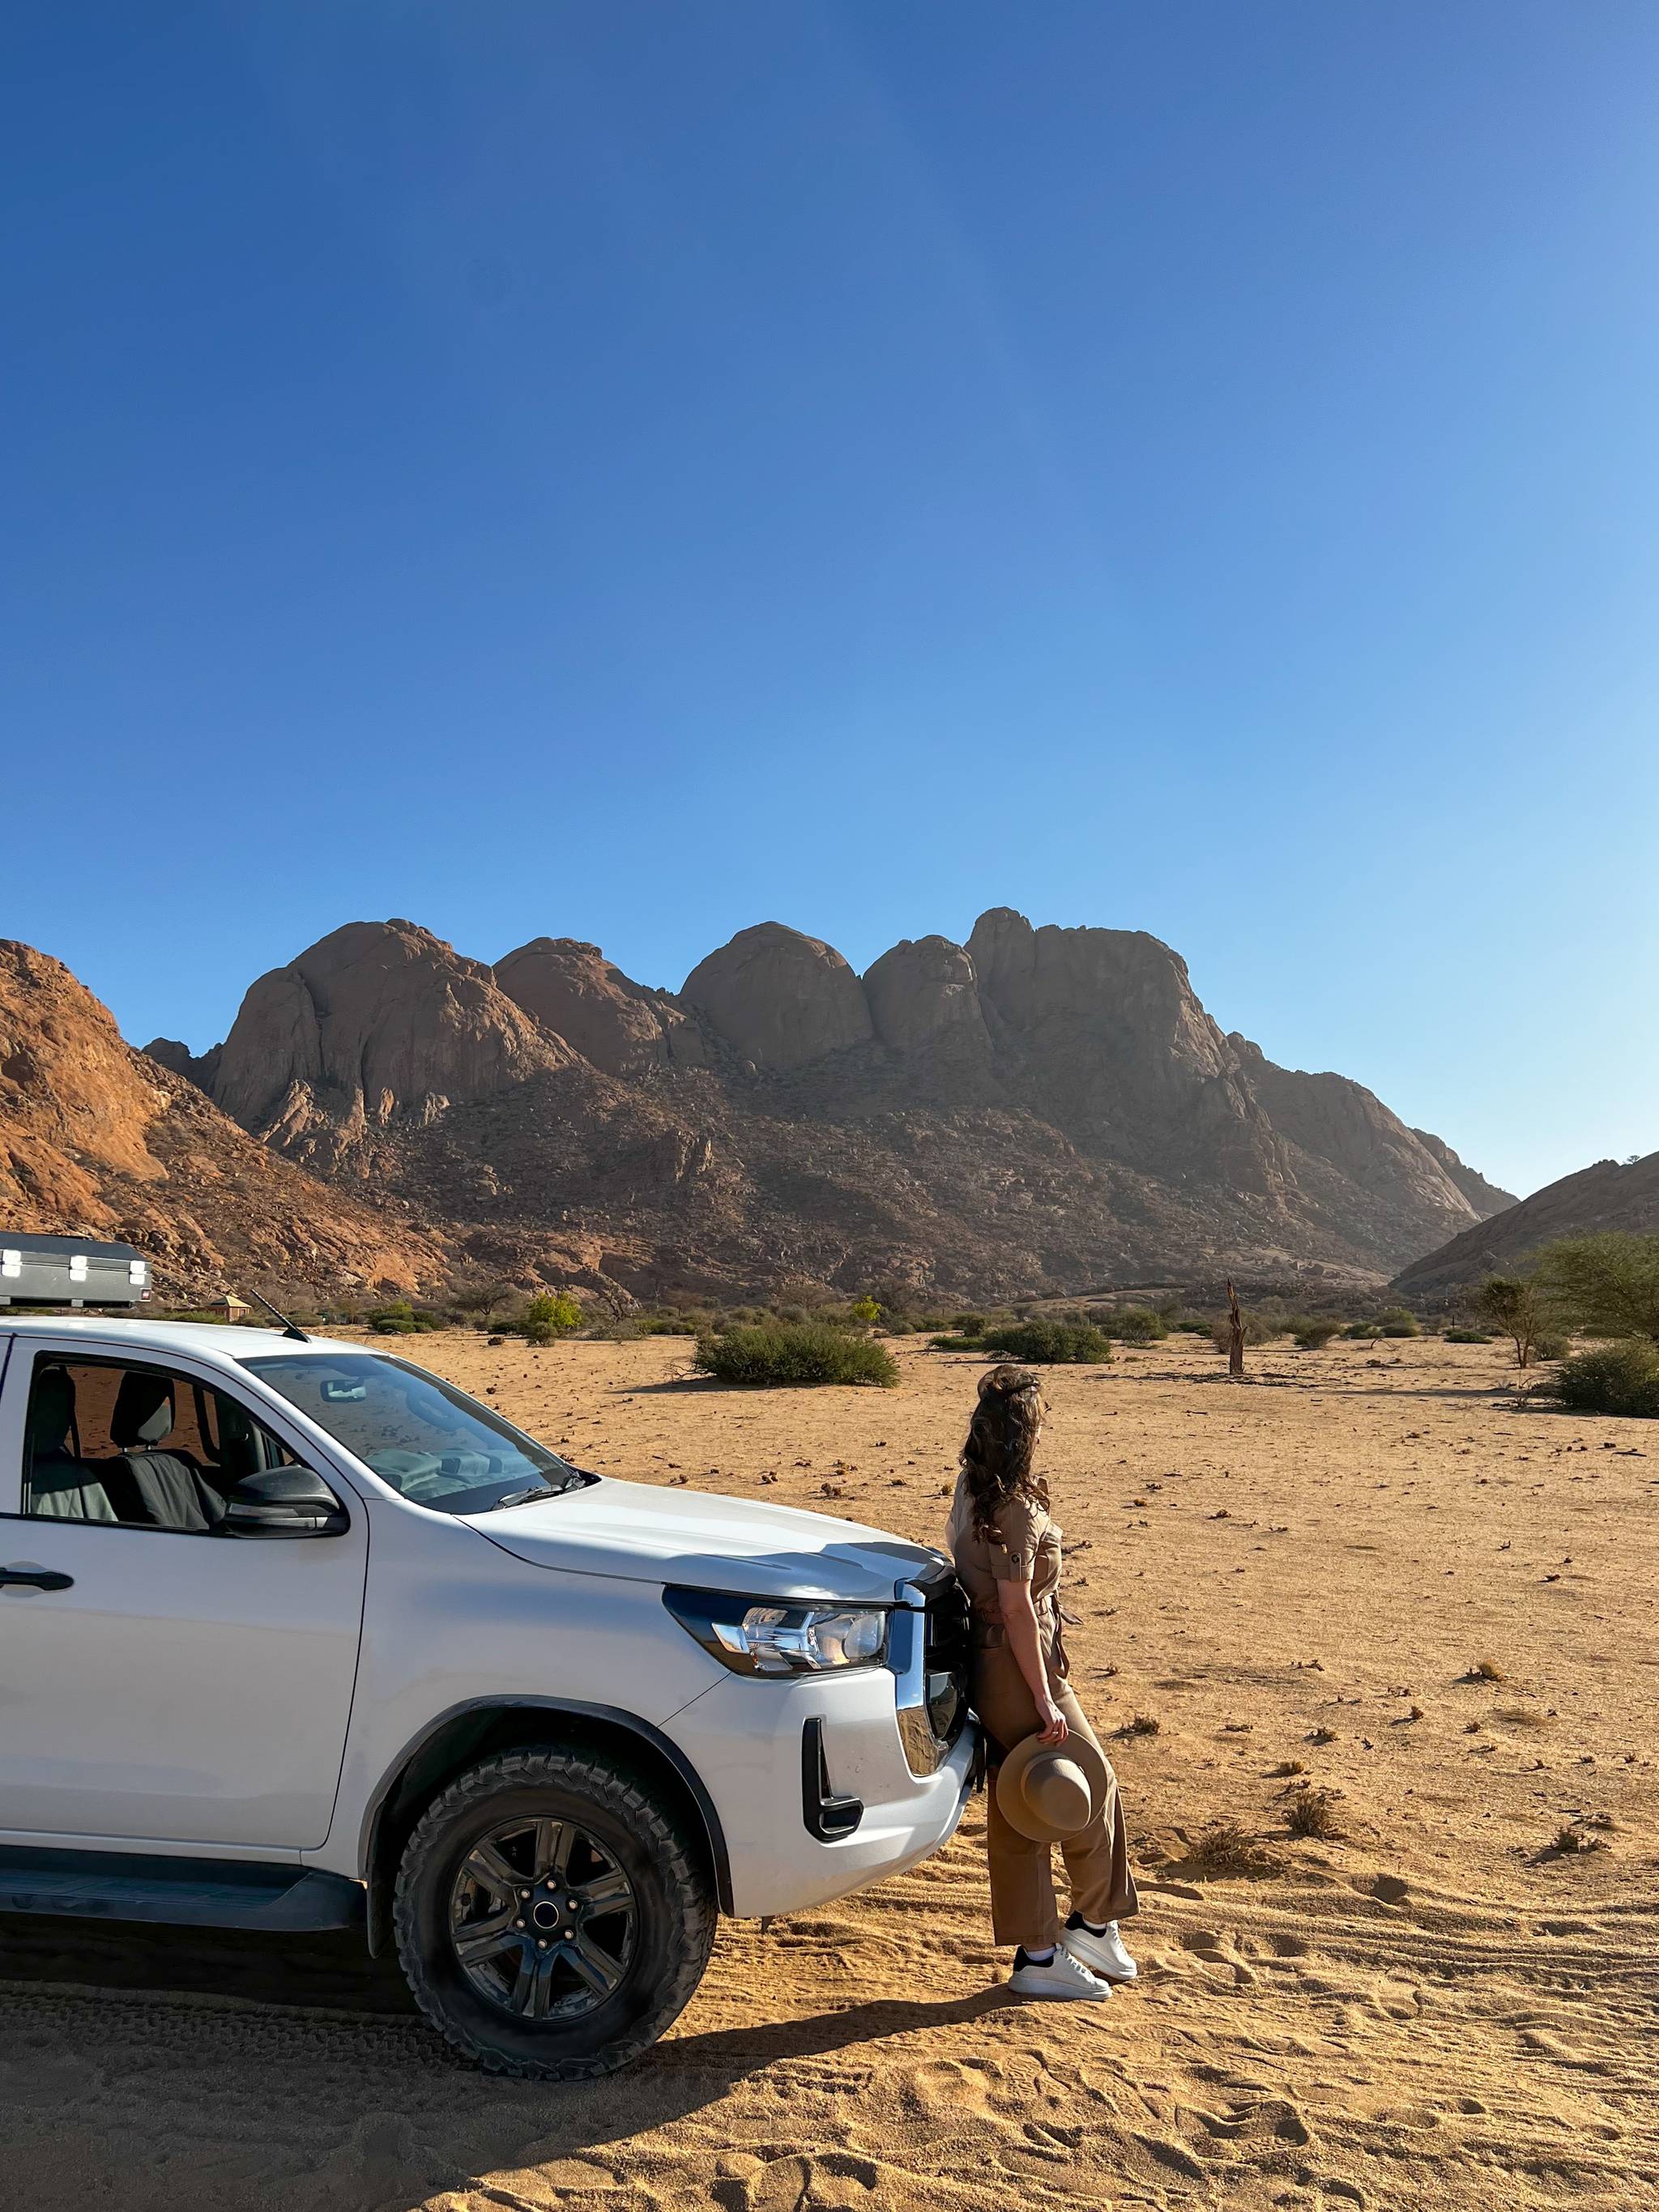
(377, 1020)
(780, 1000)
(922, 989)
(572, 989)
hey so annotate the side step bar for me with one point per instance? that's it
(177, 1892)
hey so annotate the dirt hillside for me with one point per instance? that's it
(98, 1139)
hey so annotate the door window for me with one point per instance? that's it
(137, 1445)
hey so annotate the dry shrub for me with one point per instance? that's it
(1143, 1724)
(1572, 1841)
(1284, 1769)
(1311, 1814)
(1225, 1849)
(1487, 1670)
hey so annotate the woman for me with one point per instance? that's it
(1007, 1553)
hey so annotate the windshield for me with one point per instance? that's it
(429, 1440)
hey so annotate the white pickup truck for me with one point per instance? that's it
(296, 1635)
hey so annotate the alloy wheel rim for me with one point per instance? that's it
(543, 1919)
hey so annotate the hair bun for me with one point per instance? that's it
(1008, 1382)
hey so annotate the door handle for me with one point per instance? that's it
(23, 1574)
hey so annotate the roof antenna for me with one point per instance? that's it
(289, 1329)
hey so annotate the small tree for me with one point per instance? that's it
(484, 1301)
(552, 1314)
(1518, 1305)
(864, 1311)
(1607, 1285)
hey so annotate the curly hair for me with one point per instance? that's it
(996, 1460)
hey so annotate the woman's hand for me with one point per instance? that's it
(1054, 1721)
(1024, 1640)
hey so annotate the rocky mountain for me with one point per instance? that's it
(98, 1139)
(1485, 1197)
(1612, 1194)
(1041, 1108)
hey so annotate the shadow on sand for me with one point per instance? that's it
(405, 2119)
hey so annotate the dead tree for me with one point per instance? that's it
(1234, 1332)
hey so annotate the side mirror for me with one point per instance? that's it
(284, 1501)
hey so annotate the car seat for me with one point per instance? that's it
(175, 1493)
(60, 1485)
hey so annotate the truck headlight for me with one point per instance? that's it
(753, 1637)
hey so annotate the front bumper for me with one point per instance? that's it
(745, 1737)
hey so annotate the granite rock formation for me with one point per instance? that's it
(1041, 1108)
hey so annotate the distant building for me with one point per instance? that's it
(230, 1307)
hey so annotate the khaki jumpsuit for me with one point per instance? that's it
(1025, 1548)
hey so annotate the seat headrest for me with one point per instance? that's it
(235, 1455)
(143, 1411)
(52, 1410)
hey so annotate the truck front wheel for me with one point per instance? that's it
(550, 1919)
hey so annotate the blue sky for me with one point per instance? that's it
(629, 470)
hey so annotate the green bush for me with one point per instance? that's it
(397, 1317)
(1468, 1336)
(1191, 1325)
(1612, 1378)
(552, 1314)
(1399, 1320)
(955, 1343)
(665, 1324)
(1313, 1332)
(1136, 1325)
(1363, 1331)
(1049, 1343)
(801, 1352)
(967, 1324)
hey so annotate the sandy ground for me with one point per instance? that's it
(1437, 2010)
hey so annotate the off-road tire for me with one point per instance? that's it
(676, 1913)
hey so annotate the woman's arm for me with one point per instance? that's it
(1019, 1620)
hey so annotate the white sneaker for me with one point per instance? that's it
(1102, 1954)
(1058, 1976)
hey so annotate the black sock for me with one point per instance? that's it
(1024, 1958)
(1086, 1927)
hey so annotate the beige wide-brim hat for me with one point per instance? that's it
(1048, 1791)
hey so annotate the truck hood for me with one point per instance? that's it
(641, 1534)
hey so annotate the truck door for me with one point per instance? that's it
(159, 1680)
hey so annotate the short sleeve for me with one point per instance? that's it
(1011, 1549)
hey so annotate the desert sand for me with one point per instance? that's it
(1435, 2008)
